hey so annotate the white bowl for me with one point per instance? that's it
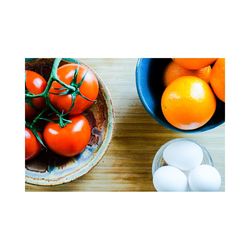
(159, 161)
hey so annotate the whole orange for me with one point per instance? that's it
(174, 71)
(217, 80)
(188, 103)
(194, 63)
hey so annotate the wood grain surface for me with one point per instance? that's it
(127, 164)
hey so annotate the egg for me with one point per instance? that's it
(204, 178)
(184, 155)
(168, 178)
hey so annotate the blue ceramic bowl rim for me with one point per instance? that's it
(144, 103)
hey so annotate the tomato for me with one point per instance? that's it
(69, 140)
(35, 84)
(32, 145)
(30, 112)
(89, 89)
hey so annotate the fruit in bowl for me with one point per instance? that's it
(179, 93)
(188, 102)
(174, 71)
(69, 132)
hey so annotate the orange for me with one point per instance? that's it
(194, 63)
(217, 80)
(188, 103)
(174, 71)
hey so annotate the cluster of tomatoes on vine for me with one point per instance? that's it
(53, 109)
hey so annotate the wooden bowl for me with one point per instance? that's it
(51, 169)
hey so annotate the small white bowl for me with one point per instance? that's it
(159, 161)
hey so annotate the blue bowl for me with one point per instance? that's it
(149, 83)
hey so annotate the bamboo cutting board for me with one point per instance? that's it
(126, 166)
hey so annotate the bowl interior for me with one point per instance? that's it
(51, 169)
(158, 160)
(149, 81)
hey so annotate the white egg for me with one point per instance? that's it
(184, 155)
(168, 178)
(204, 178)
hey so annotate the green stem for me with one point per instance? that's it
(37, 117)
(53, 76)
(73, 89)
(65, 85)
(34, 96)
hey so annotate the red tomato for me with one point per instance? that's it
(29, 112)
(89, 88)
(35, 84)
(70, 140)
(32, 145)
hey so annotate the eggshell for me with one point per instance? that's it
(204, 178)
(184, 155)
(168, 178)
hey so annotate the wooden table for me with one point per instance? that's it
(126, 165)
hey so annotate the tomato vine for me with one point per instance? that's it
(73, 89)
